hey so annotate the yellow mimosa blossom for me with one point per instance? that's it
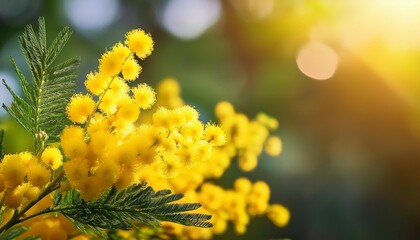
(139, 42)
(243, 185)
(76, 169)
(144, 96)
(126, 179)
(261, 190)
(128, 111)
(72, 142)
(273, 146)
(91, 188)
(214, 135)
(161, 118)
(121, 51)
(108, 104)
(224, 109)
(80, 107)
(108, 172)
(52, 157)
(193, 130)
(169, 166)
(278, 214)
(201, 150)
(186, 156)
(13, 199)
(39, 175)
(118, 87)
(13, 170)
(111, 63)
(268, 121)
(99, 140)
(96, 83)
(189, 112)
(32, 192)
(131, 69)
(248, 161)
(211, 196)
(48, 229)
(98, 122)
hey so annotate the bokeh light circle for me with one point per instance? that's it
(317, 60)
(189, 19)
(90, 16)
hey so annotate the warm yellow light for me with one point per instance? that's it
(259, 9)
(317, 60)
(392, 23)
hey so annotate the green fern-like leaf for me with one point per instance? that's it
(43, 107)
(13, 233)
(128, 208)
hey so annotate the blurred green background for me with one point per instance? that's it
(343, 78)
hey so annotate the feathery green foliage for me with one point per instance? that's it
(13, 233)
(44, 109)
(126, 208)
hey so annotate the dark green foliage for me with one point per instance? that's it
(46, 97)
(130, 207)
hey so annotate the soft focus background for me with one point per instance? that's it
(343, 78)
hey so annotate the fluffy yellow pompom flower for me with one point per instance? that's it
(214, 135)
(193, 130)
(108, 172)
(118, 87)
(91, 188)
(168, 88)
(121, 51)
(224, 109)
(248, 161)
(131, 69)
(211, 196)
(39, 175)
(13, 170)
(161, 117)
(108, 104)
(76, 169)
(96, 83)
(243, 185)
(13, 199)
(261, 190)
(144, 96)
(278, 214)
(189, 112)
(80, 107)
(273, 146)
(52, 157)
(139, 42)
(110, 63)
(72, 141)
(128, 111)
(169, 167)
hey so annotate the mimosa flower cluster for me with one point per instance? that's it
(123, 133)
(107, 147)
(23, 175)
(246, 139)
